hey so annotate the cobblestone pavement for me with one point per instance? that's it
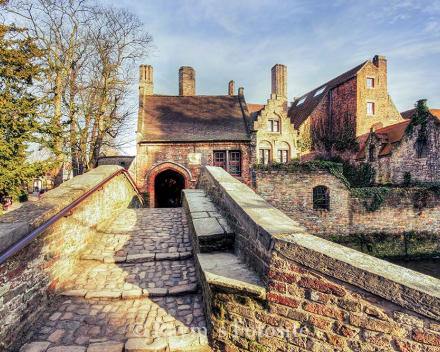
(143, 303)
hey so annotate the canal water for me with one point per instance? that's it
(428, 266)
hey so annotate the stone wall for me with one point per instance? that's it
(404, 157)
(403, 212)
(184, 158)
(321, 296)
(28, 277)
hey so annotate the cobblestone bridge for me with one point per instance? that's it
(135, 286)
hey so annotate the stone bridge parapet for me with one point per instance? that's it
(27, 276)
(320, 296)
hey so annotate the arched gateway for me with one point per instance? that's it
(168, 186)
(165, 182)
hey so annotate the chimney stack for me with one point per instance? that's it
(240, 91)
(231, 88)
(146, 80)
(279, 81)
(187, 81)
(381, 63)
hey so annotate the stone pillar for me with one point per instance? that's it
(145, 80)
(279, 81)
(187, 81)
(231, 89)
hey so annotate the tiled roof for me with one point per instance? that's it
(254, 111)
(299, 113)
(387, 135)
(195, 118)
(255, 107)
(408, 113)
(435, 112)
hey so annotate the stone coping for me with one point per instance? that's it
(276, 231)
(17, 224)
(225, 271)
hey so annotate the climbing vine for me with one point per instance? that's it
(420, 117)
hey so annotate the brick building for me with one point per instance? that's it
(334, 115)
(178, 134)
(273, 135)
(401, 149)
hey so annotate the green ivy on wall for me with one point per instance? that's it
(420, 117)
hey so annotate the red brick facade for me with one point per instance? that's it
(185, 159)
(336, 112)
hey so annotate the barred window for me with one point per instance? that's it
(321, 198)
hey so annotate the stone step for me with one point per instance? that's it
(224, 270)
(141, 235)
(193, 342)
(129, 281)
(141, 257)
(210, 229)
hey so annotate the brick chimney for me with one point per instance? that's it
(145, 80)
(187, 81)
(240, 91)
(231, 89)
(279, 81)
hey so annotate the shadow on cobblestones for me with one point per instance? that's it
(136, 279)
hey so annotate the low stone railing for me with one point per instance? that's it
(320, 296)
(27, 276)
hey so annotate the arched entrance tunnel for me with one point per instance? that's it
(168, 187)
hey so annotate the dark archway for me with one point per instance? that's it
(168, 187)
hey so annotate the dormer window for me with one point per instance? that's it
(370, 82)
(319, 91)
(273, 126)
(302, 100)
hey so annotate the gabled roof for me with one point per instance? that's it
(299, 113)
(193, 118)
(387, 135)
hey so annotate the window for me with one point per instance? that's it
(421, 148)
(370, 108)
(321, 198)
(228, 160)
(234, 163)
(370, 82)
(282, 156)
(302, 100)
(371, 153)
(264, 156)
(273, 126)
(319, 91)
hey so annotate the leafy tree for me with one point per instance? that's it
(89, 53)
(18, 108)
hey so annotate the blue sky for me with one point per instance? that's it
(316, 39)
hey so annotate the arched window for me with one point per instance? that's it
(321, 198)
(283, 153)
(264, 153)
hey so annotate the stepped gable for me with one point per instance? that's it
(388, 135)
(193, 118)
(299, 113)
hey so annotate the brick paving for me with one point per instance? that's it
(135, 304)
